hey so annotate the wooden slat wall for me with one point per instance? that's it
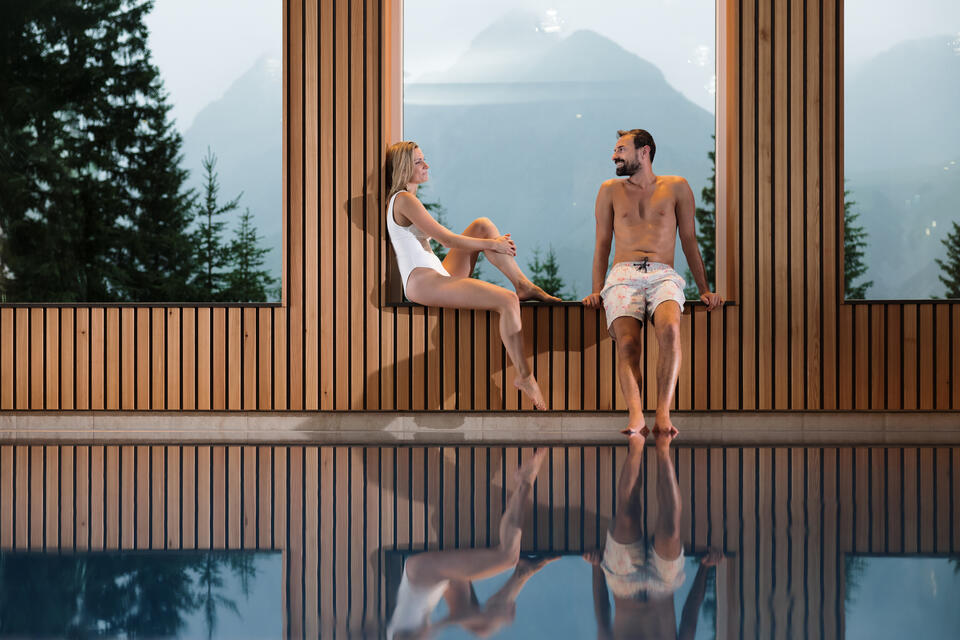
(790, 344)
(783, 516)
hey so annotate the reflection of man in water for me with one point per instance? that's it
(434, 575)
(643, 574)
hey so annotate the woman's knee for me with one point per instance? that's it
(484, 228)
(508, 302)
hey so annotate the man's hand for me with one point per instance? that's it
(712, 300)
(593, 300)
(594, 557)
(712, 558)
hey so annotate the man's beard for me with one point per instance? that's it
(627, 169)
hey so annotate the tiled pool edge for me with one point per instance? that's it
(391, 428)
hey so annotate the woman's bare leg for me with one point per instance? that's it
(432, 289)
(460, 262)
(425, 569)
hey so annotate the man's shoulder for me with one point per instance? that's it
(674, 180)
(612, 183)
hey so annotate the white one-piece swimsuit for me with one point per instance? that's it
(409, 244)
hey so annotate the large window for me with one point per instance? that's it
(141, 151)
(902, 149)
(516, 105)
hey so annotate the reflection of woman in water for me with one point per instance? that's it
(429, 282)
(434, 575)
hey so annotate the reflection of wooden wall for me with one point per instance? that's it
(784, 515)
(789, 344)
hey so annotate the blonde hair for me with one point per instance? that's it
(399, 166)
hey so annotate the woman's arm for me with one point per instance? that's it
(413, 211)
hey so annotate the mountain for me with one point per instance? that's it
(902, 161)
(244, 128)
(526, 139)
(901, 106)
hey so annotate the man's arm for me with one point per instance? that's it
(601, 598)
(604, 235)
(686, 226)
(691, 608)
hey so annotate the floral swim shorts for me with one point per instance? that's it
(636, 289)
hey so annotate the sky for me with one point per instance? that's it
(676, 35)
(202, 46)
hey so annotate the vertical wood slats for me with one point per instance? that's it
(789, 345)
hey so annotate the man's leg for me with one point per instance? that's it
(627, 524)
(666, 319)
(666, 533)
(627, 332)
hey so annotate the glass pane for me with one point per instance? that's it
(157, 594)
(901, 597)
(112, 111)
(902, 148)
(516, 106)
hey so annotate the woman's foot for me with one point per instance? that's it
(531, 389)
(528, 291)
(527, 472)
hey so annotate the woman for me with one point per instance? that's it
(431, 283)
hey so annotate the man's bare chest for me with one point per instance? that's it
(655, 209)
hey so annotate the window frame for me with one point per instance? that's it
(726, 150)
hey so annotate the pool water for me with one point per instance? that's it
(825, 542)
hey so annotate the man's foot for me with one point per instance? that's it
(529, 291)
(637, 440)
(663, 423)
(531, 389)
(527, 473)
(663, 438)
(636, 426)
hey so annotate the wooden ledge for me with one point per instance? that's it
(375, 428)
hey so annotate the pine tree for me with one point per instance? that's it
(950, 268)
(706, 217)
(81, 109)
(213, 254)
(160, 245)
(247, 280)
(545, 274)
(854, 242)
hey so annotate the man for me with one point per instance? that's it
(643, 213)
(643, 573)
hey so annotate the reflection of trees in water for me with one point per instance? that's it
(854, 568)
(709, 608)
(137, 595)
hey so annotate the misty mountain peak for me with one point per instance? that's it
(515, 31)
(517, 47)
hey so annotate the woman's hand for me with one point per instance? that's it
(504, 244)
